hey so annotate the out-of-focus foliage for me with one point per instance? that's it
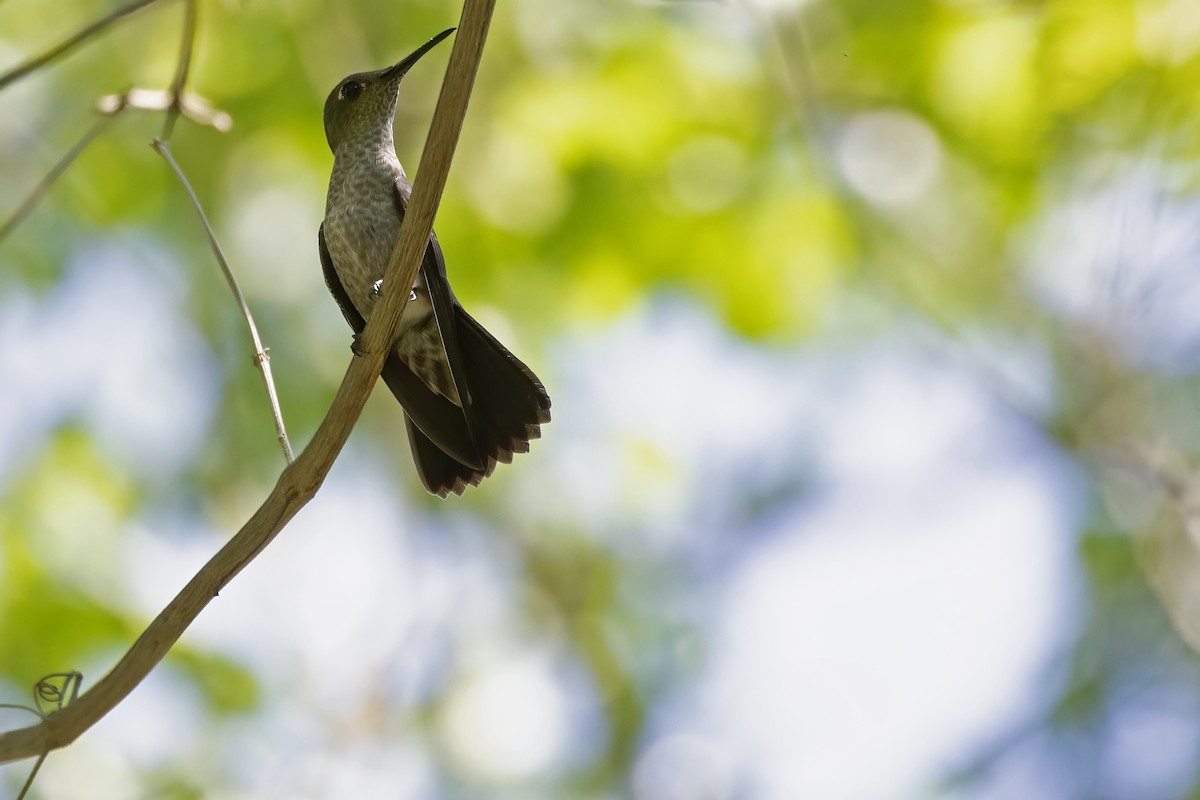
(871, 330)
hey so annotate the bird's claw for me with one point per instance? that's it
(356, 346)
(377, 289)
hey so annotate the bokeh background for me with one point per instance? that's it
(872, 332)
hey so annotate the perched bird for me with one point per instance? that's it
(468, 402)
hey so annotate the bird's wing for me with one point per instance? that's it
(504, 402)
(441, 297)
(334, 284)
(444, 423)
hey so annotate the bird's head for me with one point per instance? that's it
(362, 106)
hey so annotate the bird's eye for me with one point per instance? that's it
(350, 90)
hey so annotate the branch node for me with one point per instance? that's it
(190, 105)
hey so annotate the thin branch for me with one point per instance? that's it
(380, 334)
(37, 765)
(197, 109)
(41, 759)
(174, 102)
(47, 693)
(300, 480)
(182, 68)
(28, 204)
(262, 359)
(191, 106)
(70, 42)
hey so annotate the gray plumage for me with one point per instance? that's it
(469, 403)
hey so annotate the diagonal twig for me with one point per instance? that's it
(33, 773)
(380, 334)
(174, 101)
(71, 42)
(41, 758)
(64, 163)
(301, 479)
(47, 693)
(262, 359)
(182, 69)
(197, 109)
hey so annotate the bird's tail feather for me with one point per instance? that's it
(509, 406)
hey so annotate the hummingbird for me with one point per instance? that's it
(468, 402)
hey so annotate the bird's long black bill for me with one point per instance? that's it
(407, 62)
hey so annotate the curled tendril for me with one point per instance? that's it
(54, 692)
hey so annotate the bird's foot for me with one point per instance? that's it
(356, 346)
(377, 289)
